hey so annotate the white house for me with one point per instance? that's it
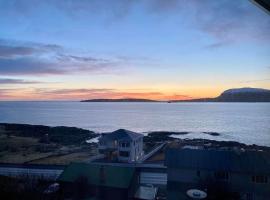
(125, 144)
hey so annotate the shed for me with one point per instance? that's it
(105, 181)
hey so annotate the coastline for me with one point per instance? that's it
(36, 144)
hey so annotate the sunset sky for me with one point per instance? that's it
(157, 49)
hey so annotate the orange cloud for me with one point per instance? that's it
(79, 94)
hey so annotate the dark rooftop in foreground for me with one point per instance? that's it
(229, 160)
(97, 174)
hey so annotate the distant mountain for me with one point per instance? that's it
(245, 95)
(237, 95)
(119, 100)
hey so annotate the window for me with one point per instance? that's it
(125, 144)
(259, 179)
(124, 153)
(221, 175)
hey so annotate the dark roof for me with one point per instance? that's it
(227, 160)
(98, 174)
(265, 4)
(32, 166)
(122, 134)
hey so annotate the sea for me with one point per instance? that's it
(242, 122)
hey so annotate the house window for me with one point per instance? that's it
(259, 179)
(221, 175)
(124, 153)
(125, 144)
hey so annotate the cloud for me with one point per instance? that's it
(94, 93)
(49, 59)
(72, 92)
(80, 58)
(10, 49)
(7, 94)
(16, 81)
(28, 66)
(73, 8)
(223, 19)
(217, 45)
(83, 93)
(257, 80)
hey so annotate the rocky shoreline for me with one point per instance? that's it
(166, 136)
(24, 143)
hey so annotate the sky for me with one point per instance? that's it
(155, 49)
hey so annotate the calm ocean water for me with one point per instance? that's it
(244, 122)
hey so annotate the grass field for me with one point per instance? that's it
(16, 149)
(65, 159)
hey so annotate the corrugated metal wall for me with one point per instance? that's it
(153, 178)
(50, 174)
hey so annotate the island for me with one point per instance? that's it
(120, 100)
(246, 94)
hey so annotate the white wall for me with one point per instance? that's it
(135, 150)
